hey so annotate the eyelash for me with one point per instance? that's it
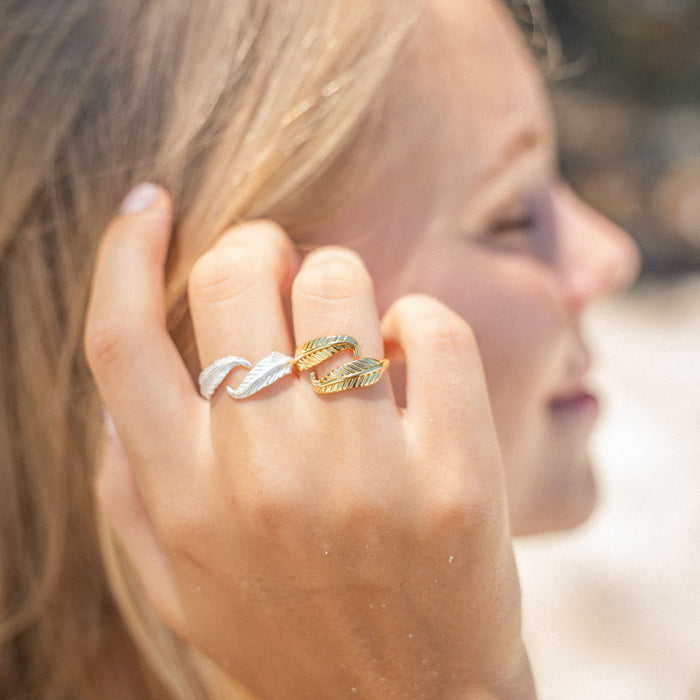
(523, 224)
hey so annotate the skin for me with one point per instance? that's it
(360, 544)
(312, 546)
(474, 213)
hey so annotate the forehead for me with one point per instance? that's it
(466, 92)
(465, 117)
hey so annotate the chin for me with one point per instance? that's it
(560, 506)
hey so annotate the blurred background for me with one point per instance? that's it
(612, 609)
(628, 98)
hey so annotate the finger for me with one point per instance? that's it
(120, 499)
(447, 404)
(333, 295)
(236, 293)
(138, 369)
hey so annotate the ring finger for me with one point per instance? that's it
(235, 293)
(333, 295)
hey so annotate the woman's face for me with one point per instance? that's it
(466, 204)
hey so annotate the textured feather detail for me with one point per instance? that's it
(210, 377)
(358, 373)
(316, 351)
(267, 371)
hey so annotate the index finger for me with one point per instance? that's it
(140, 374)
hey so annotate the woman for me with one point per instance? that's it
(308, 545)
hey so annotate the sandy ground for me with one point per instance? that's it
(612, 610)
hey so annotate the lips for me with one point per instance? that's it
(579, 401)
(575, 396)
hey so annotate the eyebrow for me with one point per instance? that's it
(521, 148)
(525, 140)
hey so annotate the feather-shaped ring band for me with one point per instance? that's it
(307, 355)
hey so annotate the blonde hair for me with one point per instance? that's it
(241, 109)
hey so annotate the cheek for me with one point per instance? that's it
(521, 326)
(516, 313)
(513, 306)
(523, 336)
(525, 340)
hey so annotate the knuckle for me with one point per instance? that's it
(270, 505)
(269, 233)
(247, 256)
(462, 509)
(449, 333)
(333, 275)
(224, 274)
(105, 341)
(268, 515)
(185, 537)
(432, 319)
(184, 530)
(374, 515)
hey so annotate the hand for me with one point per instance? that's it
(313, 546)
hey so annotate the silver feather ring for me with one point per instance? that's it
(210, 377)
(266, 372)
(359, 372)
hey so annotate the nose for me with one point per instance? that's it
(594, 256)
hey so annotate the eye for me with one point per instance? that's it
(513, 225)
(512, 233)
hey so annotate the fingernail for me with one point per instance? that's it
(139, 199)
